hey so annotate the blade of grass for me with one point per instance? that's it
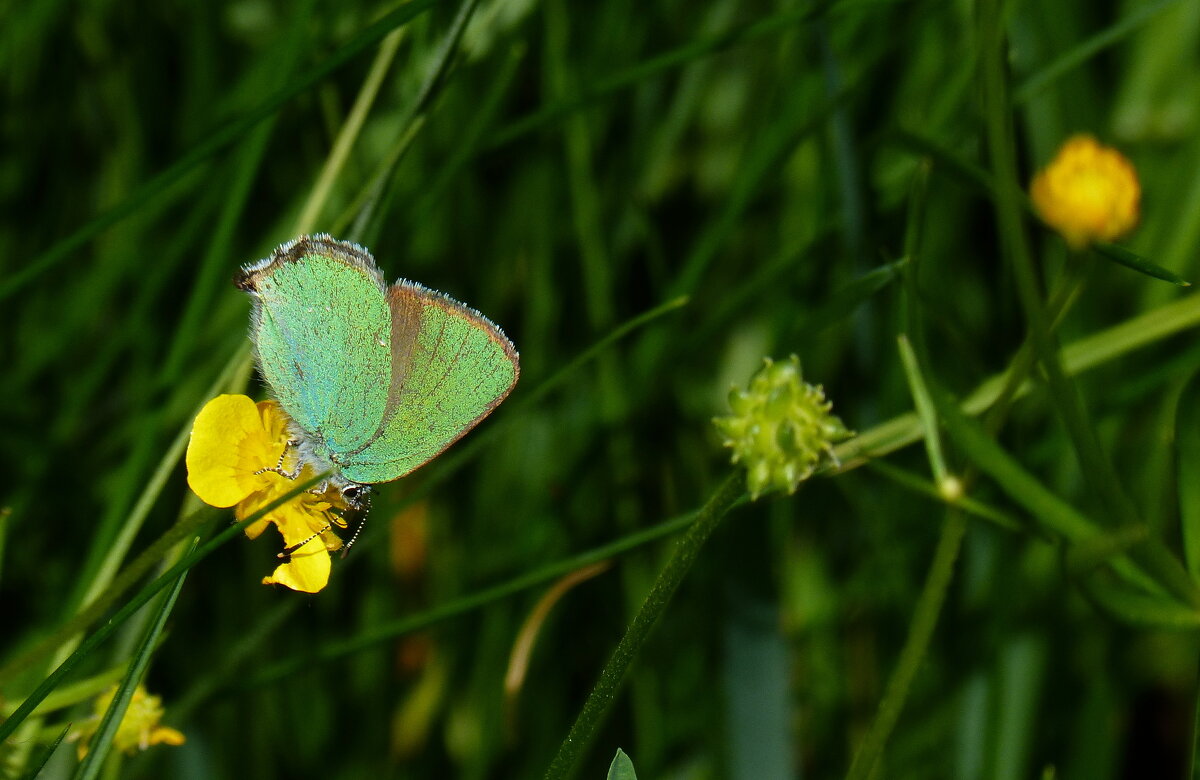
(1085, 50)
(920, 632)
(38, 763)
(139, 600)
(925, 411)
(1187, 440)
(981, 180)
(1056, 515)
(419, 110)
(387, 632)
(336, 159)
(1097, 469)
(102, 741)
(604, 693)
(1049, 510)
(918, 484)
(682, 55)
(1123, 256)
(933, 594)
(1079, 356)
(217, 141)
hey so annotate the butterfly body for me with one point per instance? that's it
(377, 379)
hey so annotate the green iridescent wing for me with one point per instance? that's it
(322, 332)
(451, 366)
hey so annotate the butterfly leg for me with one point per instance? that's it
(278, 468)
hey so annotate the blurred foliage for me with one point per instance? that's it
(579, 164)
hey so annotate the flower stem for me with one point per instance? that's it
(604, 693)
(920, 631)
(1096, 467)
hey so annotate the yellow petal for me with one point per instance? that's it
(228, 445)
(307, 569)
(1087, 192)
(166, 735)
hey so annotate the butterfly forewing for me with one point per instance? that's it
(322, 328)
(450, 367)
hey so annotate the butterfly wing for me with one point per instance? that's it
(451, 366)
(322, 332)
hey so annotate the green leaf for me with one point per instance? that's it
(621, 767)
(1119, 254)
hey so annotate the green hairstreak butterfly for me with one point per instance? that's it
(377, 379)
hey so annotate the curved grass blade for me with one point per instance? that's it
(408, 624)
(780, 22)
(219, 140)
(1119, 254)
(51, 682)
(1137, 608)
(38, 763)
(417, 112)
(102, 740)
(1082, 52)
(601, 698)
(107, 586)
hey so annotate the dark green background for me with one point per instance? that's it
(580, 164)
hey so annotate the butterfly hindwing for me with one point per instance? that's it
(450, 367)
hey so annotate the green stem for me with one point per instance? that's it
(604, 693)
(920, 631)
(1022, 363)
(1097, 469)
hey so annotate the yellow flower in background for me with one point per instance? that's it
(139, 727)
(781, 429)
(1088, 192)
(235, 457)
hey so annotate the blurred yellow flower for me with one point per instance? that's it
(1088, 192)
(139, 728)
(240, 454)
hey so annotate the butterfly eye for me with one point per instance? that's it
(355, 495)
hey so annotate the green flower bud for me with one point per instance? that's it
(781, 429)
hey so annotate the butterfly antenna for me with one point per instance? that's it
(362, 520)
(361, 507)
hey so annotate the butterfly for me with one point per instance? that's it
(377, 380)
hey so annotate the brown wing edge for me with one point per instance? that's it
(406, 298)
(293, 251)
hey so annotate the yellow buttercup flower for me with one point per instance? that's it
(240, 455)
(1088, 192)
(139, 727)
